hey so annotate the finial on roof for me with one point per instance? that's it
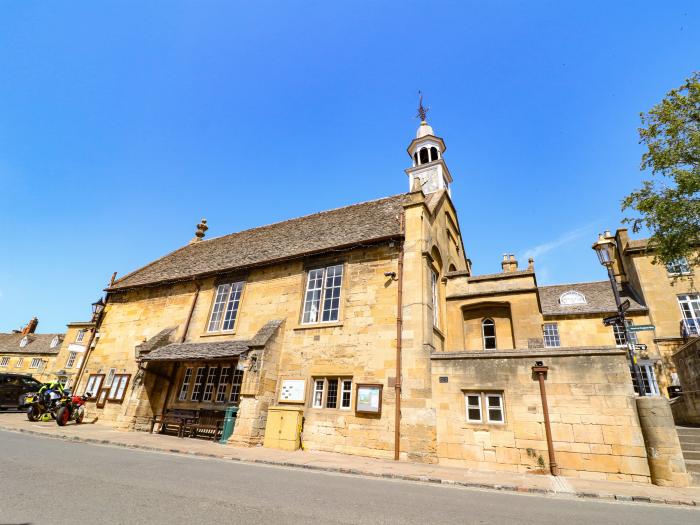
(422, 111)
(201, 229)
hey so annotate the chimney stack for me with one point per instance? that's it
(31, 326)
(509, 263)
(201, 229)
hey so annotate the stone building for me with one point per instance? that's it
(25, 351)
(369, 319)
(47, 357)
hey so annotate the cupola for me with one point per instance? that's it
(426, 152)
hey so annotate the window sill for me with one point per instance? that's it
(216, 334)
(439, 332)
(316, 326)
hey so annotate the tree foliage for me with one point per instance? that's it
(669, 203)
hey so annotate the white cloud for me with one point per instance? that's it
(566, 238)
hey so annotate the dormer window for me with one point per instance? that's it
(24, 342)
(54, 342)
(572, 298)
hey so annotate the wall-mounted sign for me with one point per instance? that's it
(368, 399)
(102, 397)
(293, 391)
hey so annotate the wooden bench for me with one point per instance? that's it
(175, 420)
(210, 423)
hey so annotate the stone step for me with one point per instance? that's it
(691, 455)
(692, 465)
(688, 439)
(688, 431)
(693, 468)
(690, 447)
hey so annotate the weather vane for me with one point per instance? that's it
(422, 111)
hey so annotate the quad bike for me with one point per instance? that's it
(42, 405)
(71, 408)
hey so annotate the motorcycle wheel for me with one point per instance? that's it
(62, 416)
(33, 413)
(80, 416)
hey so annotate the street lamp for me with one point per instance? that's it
(97, 307)
(605, 250)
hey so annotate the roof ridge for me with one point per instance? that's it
(296, 219)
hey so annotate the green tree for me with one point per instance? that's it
(668, 205)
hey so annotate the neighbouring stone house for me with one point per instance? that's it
(46, 357)
(25, 351)
(381, 297)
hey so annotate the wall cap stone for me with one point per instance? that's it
(529, 353)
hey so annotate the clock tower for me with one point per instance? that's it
(426, 151)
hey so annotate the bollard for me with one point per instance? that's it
(229, 424)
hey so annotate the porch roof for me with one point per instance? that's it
(198, 351)
(206, 350)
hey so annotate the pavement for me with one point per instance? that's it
(101, 434)
(60, 482)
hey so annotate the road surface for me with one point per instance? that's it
(45, 480)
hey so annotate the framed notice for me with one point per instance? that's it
(368, 399)
(102, 397)
(293, 391)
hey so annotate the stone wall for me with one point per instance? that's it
(593, 416)
(686, 408)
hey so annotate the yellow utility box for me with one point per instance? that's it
(283, 428)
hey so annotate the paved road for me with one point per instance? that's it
(51, 481)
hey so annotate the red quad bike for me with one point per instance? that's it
(71, 408)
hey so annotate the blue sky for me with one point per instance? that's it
(123, 123)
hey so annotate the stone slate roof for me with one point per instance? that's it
(212, 350)
(362, 223)
(635, 245)
(38, 344)
(598, 294)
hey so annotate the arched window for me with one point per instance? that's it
(572, 297)
(433, 154)
(488, 332)
(415, 158)
(424, 155)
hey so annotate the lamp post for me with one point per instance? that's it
(605, 249)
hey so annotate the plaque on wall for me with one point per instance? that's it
(293, 391)
(368, 399)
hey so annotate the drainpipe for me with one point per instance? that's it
(541, 372)
(399, 330)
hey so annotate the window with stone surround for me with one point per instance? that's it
(332, 392)
(484, 407)
(71, 359)
(5, 361)
(488, 334)
(79, 336)
(211, 381)
(224, 378)
(550, 335)
(619, 333)
(678, 267)
(322, 296)
(651, 388)
(225, 309)
(19, 363)
(236, 382)
(434, 294)
(36, 363)
(185, 386)
(198, 380)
